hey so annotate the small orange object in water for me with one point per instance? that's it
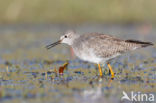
(62, 68)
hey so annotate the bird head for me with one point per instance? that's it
(67, 38)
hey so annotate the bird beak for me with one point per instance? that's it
(53, 44)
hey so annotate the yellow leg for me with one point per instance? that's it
(110, 68)
(100, 70)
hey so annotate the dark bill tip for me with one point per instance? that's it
(53, 44)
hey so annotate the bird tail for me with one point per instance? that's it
(141, 43)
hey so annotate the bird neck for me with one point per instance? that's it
(75, 38)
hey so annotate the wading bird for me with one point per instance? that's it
(98, 48)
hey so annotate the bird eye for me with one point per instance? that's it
(65, 36)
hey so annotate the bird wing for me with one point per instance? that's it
(104, 45)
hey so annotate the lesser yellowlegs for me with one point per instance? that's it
(98, 48)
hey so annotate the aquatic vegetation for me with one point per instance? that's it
(45, 83)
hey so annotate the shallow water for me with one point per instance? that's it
(27, 69)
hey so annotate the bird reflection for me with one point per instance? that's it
(96, 94)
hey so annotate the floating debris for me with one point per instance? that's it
(62, 68)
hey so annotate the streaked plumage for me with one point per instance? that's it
(98, 48)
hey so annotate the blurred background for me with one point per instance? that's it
(36, 23)
(27, 26)
(77, 12)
